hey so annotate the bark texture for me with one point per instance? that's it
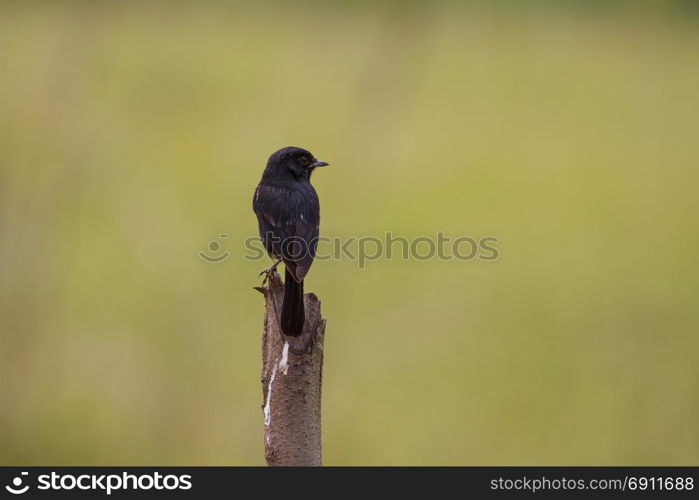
(292, 376)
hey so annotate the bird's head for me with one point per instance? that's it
(298, 162)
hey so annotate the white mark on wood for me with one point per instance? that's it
(283, 366)
(284, 363)
(268, 409)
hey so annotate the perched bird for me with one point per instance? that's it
(288, 216)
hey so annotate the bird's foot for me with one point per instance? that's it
(269, 271)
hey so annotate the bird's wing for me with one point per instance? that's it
(288, 221)
(306, 229)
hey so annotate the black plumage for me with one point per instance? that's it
(288, 216)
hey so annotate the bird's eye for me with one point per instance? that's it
(305, 160)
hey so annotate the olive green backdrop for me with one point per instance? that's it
(133, 134)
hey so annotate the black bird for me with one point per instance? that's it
(288, 216)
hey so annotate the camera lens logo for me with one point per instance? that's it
(214, 248)
(16, 488)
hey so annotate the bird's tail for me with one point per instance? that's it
(293, 314)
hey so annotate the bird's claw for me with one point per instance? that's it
(268, 271)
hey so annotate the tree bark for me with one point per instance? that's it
(292, 376)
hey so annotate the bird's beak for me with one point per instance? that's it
(319, 163)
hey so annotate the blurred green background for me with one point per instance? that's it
(133, 134)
